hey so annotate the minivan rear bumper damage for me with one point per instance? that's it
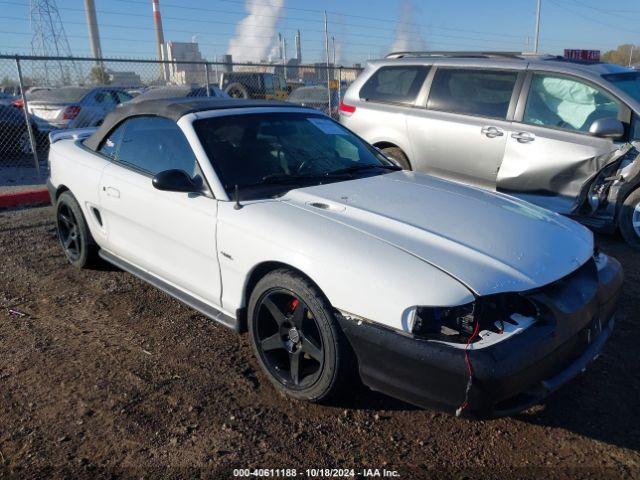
(510, 375)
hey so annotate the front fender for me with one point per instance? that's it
(358, 273)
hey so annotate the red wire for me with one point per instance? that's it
(468, 362)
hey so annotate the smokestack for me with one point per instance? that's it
(280, 53)
(298, 48)
(157, 21)
(92, 25)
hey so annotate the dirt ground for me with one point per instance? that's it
(102, 376)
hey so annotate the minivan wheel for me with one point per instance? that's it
(398, 155)
(296, 339)
(630, 219)
(74, 235)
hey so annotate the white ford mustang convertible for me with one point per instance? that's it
(273, 218)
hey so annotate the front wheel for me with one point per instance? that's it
(630, 219)
(296, 338)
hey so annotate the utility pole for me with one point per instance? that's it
(537, 35)
(631, 54)
(333, 47)
(326, 48)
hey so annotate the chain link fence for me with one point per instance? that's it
(41, 94)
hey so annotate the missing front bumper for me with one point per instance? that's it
(508, 376)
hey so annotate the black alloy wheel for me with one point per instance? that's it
(288, 339)
(69, 233)
(74, 235)
(297, 339)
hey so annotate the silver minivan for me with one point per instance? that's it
(555, 132)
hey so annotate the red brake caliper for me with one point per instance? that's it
(292, 305)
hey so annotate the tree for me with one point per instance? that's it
(99, 75)
(623, 55)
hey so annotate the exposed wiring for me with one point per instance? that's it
(467, 360)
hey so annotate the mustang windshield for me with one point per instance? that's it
(628, 82)
(267, 154)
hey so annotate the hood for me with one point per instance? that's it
(490, 242)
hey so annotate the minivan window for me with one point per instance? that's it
(628, 82)
(562, 102)
(484, 93)
(394, 84)
(154, 144)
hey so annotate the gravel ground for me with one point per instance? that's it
(102, 375)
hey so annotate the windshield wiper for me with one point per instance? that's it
(357, 168)
(284, 179)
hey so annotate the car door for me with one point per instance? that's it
(550, 154)
(172, 235)
(461, 134)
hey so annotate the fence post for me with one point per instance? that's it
(25, 109)
(206, 74)
(339, 84)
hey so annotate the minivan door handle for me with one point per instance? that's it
(492, 132)
(523, 137)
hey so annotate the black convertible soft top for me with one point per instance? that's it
(174, 109)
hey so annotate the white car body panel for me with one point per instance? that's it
(383, 245)
(170, 234)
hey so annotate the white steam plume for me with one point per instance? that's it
(408, 36)
(256, 33)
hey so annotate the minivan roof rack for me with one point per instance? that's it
(452, 54)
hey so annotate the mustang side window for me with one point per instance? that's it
(484, 93)
(110, 145)
(562, 102)
(154, 144)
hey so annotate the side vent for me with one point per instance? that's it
(96, 213)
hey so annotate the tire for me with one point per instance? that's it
(629, 220)
(237, 90)
(305, 328)
(73, 233)
(398, 155)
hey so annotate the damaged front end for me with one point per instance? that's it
(602, 195)
(497, 355)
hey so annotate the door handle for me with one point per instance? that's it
(492, 132)
(523, 137)
(111, 192)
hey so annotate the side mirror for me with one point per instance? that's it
(176, 181)
(607, 128)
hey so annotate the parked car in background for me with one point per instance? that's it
(14, 135)
(6, 98)
(316, 97)
(266, 86)
(73, 107)
(176, 91)
(274, 218)
(546, 129)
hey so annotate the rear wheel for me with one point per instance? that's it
(296, 338)
(630, 219)
(398, 155)
(74, 235)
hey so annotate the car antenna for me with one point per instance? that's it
(237, 206)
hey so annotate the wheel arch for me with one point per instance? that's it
(59, 191)
(258, 272)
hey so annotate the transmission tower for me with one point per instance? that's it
(49, 39)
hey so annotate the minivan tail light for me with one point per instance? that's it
(70, 112)
(346, 110)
